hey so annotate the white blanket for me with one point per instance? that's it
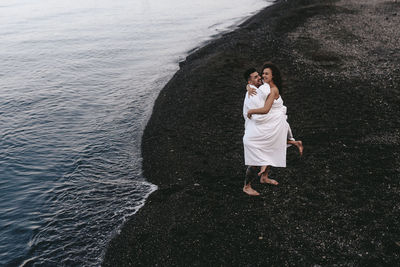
(265, 135)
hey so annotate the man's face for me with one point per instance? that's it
(255, 79)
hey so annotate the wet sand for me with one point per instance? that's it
(339, 204)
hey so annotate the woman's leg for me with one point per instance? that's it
(299, 145)
(292, 141)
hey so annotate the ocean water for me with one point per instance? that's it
(78, 80)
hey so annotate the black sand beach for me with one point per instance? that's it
(337, 205)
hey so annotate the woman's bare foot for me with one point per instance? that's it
(265, 180)
(250, 191)
(299, 145)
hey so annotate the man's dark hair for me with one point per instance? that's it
(247, 73)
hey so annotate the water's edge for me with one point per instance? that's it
(195, 52)
(329, 205)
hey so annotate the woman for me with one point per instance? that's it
(276, 131)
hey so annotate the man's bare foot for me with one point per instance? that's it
(262, 170)
(265, 180)
(250, 191)
(299, 145)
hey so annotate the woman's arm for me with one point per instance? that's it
(267, 105)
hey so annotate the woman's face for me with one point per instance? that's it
(267, 75)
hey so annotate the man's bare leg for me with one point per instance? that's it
(262, 170)
(264, 173)
(265, 179)
(250, 191)
(299, 145)
(251, 175)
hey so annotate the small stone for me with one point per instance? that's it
(260, 238)
(196, 184)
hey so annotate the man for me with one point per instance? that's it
(254, 80)
(256, 97)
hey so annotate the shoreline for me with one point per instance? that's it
(336, 205)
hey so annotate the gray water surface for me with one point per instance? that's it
(78, 80)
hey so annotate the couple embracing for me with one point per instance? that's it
(267, 132)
